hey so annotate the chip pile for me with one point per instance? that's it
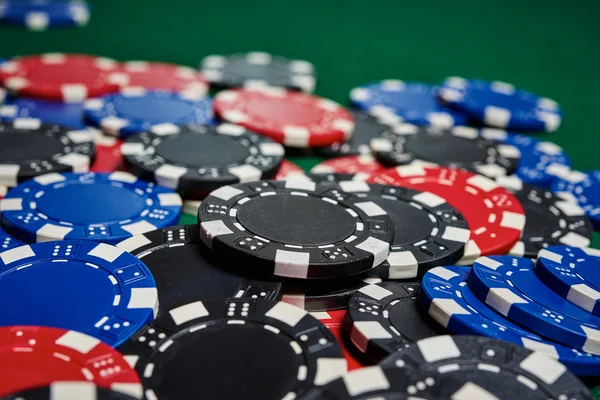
(431, 252)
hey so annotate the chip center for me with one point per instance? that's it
(412, 224)
(278, 111)
(202, 151)
(446, 149)
(17, 148)
(154, 109)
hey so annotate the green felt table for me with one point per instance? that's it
(543, 46)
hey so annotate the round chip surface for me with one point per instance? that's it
(69, 115)
(39, 15)
(583, 188)
(67, 391)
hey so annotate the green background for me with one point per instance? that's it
(548, 47)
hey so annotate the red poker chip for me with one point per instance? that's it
(160, 76)
(34, 356)
(108, 152)
(496, 218)
(287, 170)
(66, 77)
(294, 119)
(348, 165)
(334, 320)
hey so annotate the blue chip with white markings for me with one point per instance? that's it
(510, 286)
(7, 242)
(69, 115)
(501, 105)
(89, 287)
(573, 273)
(449, 300)
(411, 102)
(107, 207)
(39, 15)
(137, 110)
(584, 189)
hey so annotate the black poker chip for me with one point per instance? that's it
(457, 147)
(258, 68)
(549, 219)
(385, 318)
(186, 271)
(234, 349)
(200, 157)
(477, 367)
(70, 390)
(31, 148)
(295, 229)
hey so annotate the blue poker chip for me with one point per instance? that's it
(449, 300)
(540, 163)
(584, 189)
(510, 286)
(39, 15)
(107, 207)
(50, 112)
(573, 273)
(89, 287)
(137, 110)
(8, 242)
(501, 105)
(413, 102)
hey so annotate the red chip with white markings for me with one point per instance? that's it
(108, 152)
(294, 119)
(348, 165)
(287, 170)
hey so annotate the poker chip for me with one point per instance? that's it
(333, 320)
(291, 118)
(324, 295)
(182, 352)
(495, 217)
(258, 69)
(428, 231)
(39, 15)
(202, 158)
(191, 207)
(145, 75)
(186, 272)
(459, 147)
(136, 110)
(67, 391)
(363, 165)
(384, 318)
(501, 105)
(366, 127)
(295, 229)
(583, 189)
(549, 220)
(449, 300)
(107, 207)
(540, 162)
(34, 356)
(8, 242)
(69, 115)
(476, 367)
(110, 302)
(288, 170)
(108, 152)
(510, 286)
(411, 102)
(31, 148)
(573, 274)
(71, 78)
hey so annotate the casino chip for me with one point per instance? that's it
(111, 300)
(495, 217)
(201, 158)
(291, 118)
(549, 220)
(366, 127)
(30, 149)
(34, 356)
(191, 207)
(288, 170)
(69, 115)
(38, 15)
(450, 301)
(539, 160)
(107, 207)
(459, 147)
(501, 105)
(192, 347)
(186, 272)
(572, 273)
(136, 110)
(411, 102)
(295, 229)
(428, 231)
(108, 152)
(333, 320)
(145, 75)
(510, 286)
(70, 78)
(362, 165)
(583, 189)
(258, 69)
(69, 390)
(8, 242)
(476, 367)
(323, 294)
(385, 318)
